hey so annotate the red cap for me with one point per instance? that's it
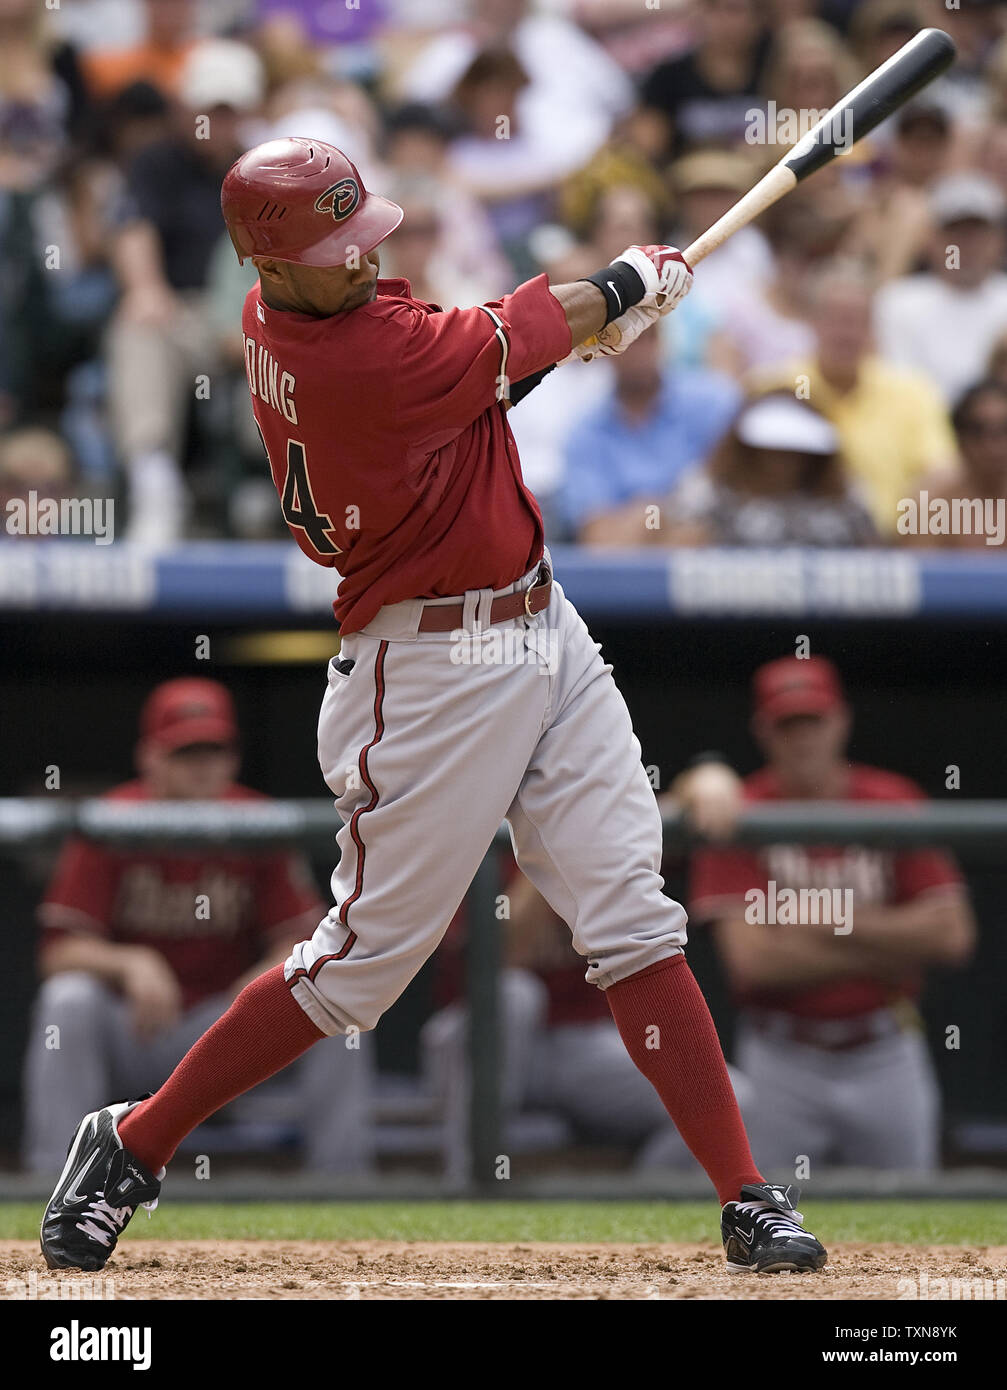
(795, 685)
(186, 711)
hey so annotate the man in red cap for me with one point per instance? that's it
(826, 946)
(143, 949)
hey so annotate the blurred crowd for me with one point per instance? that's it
(838, 375)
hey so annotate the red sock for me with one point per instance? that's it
(264, 1030)
(687, 1069)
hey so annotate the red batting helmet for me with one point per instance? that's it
(302, 201)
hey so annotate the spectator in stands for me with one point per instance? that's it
(158, 59)
(163, 335)
(32, 460)
(705, 97)
(892, 424)
(624, 214)
(981, 119)
(546, 417)
(706, 183)
(629, 452)
(42, 104)
(614, 215)
(808, 69)
(978, 483)
(618, 177)
(766, 322)
(511, 168)
(417, 145)
(946, 321)
(571, 93)
(611, 209)
(320, 27)
(421, 250)
(894, 227)
(879, 29)
(42, 98)
(137, 116)
(340, 113)
(997, 366)
(287, 51)
(921, 149)
(829, 1037)
(143, 949)
(417, 139)
(776, 478)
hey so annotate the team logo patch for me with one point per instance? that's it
(340, 200)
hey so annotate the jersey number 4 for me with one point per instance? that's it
(298, 504)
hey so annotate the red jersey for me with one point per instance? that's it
(388, 439)
(256, 902)
(720, 878)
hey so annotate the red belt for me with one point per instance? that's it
(524, 603)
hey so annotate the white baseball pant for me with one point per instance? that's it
(428, 743)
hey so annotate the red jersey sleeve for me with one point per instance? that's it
(916, 871)
(451, 366)
(924, 871)
(288, 905)
(719, 880)
(81, 892)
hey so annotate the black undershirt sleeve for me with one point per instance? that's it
(520, 389)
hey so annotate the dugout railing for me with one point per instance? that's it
(976, 828)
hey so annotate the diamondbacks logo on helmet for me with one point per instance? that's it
(340, 199)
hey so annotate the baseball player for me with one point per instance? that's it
(468, 690)
(142, 949)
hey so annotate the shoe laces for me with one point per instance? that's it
(772, 1219)
(114, 1218)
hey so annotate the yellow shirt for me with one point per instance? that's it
(892, 424)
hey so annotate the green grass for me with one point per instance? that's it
(944, 1222)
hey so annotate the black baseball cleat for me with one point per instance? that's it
(99, 1189)
(763, 1234)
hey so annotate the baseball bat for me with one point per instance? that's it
(924, 57)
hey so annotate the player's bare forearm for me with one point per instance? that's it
(584, 306)
(762, 957)
(937, 928)
(106, 960)
(608, 310)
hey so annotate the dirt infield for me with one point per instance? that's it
(385, 1269)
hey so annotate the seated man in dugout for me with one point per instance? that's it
(142, 949)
